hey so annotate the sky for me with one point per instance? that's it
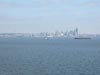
(34, 16)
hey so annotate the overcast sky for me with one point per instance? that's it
(31, 16)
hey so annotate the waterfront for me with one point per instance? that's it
(58, 56)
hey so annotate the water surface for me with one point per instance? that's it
(58, 56)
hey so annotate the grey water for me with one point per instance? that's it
(58, 56)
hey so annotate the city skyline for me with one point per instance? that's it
(58, 34)
(35, 16)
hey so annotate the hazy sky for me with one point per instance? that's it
(31, 16)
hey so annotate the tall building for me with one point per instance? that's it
(76, 31)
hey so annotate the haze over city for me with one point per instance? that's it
(33, 16)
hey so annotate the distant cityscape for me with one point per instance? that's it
(68, 34)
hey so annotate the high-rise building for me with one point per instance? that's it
(76, 31)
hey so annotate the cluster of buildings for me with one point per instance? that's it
(71, 33)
